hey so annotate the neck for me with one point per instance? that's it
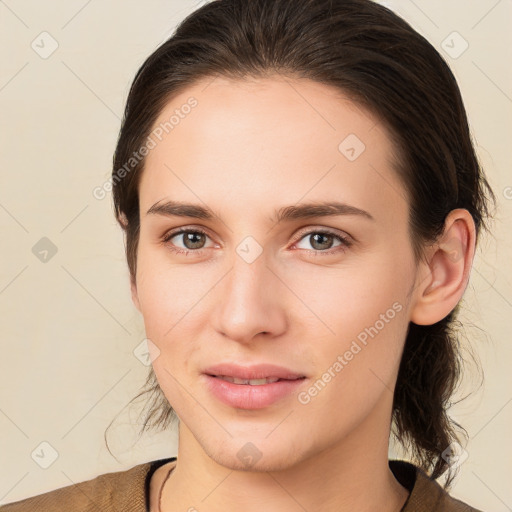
(352, 475)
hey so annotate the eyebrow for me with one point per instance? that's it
(286, 213)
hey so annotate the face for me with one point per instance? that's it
(254, 274)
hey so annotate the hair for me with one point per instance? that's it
(381, 63)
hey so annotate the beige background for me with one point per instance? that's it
(68, 328)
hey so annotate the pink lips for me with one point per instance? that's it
(257, 371)
(247, 396)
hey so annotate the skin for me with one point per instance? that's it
(246, 150)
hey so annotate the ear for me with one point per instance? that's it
(445, 275)
(135, 295)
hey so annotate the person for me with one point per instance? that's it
(301, 202)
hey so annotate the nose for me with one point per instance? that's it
(250, 300)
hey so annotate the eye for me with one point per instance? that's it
(192, 240)
(323, 241)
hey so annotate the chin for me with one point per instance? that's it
(254, 455)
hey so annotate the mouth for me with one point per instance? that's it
(252, 387)
(252, 382)
(253, 373)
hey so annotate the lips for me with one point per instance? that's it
(252, 387)
(254, 375)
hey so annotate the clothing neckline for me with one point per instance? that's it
(154, 465)
(404, 472)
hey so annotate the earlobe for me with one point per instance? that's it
(448, 269)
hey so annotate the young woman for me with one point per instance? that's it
(301, 202)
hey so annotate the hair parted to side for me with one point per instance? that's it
(379, 61)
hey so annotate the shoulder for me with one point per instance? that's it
(426, 494)
(121, 490)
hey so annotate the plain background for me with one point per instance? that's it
(68, 327)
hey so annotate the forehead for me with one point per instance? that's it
(269, 140)
(264, 107)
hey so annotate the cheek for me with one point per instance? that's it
(355, 369)
(170, 304)
(357, 332)
(341, 302)
(167, 293)
(170, 301)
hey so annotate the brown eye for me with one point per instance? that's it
(323, 241)
(193, 239)
(186, 240)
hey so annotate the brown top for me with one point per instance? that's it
(128, 491)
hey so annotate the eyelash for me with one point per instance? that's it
(345, 242)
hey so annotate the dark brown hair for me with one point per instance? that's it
(381, 63)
